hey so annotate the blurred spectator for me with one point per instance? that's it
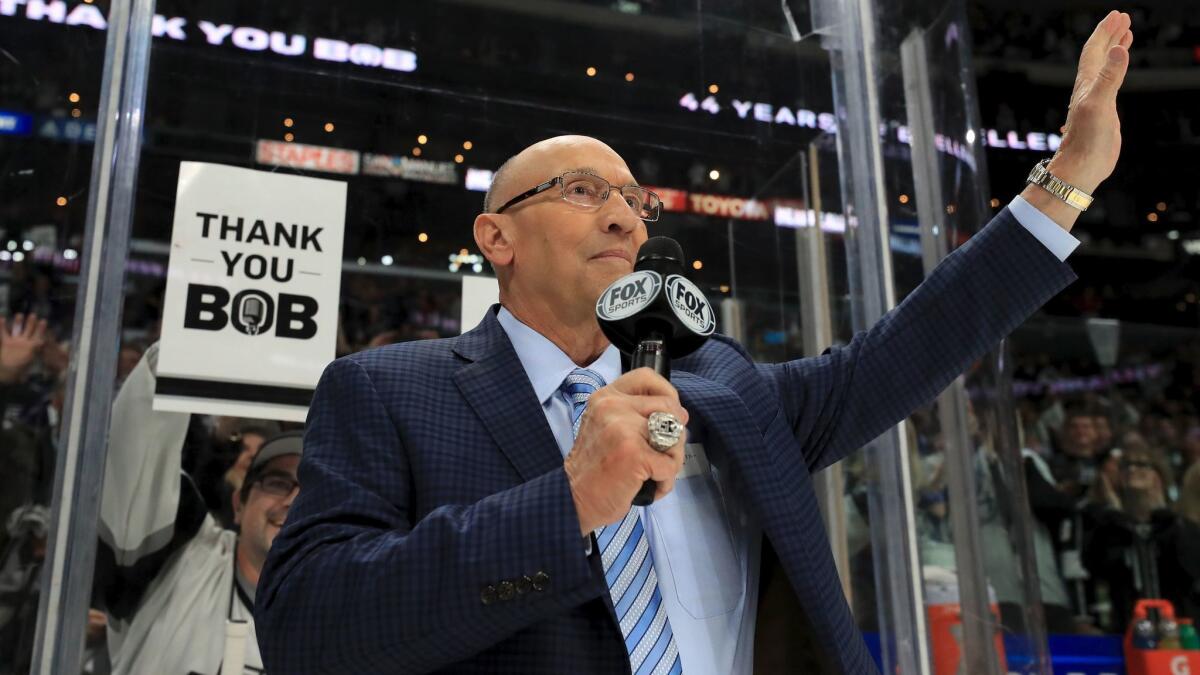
(21, 559)
(20, 343)
(1104, 433)
(1140, 548)
(1189, 495)
(38, 293)
(1191, 447)
(1073, 466)
(1051, 508)
(26, 459)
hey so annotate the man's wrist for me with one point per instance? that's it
(1074, 174)
(1054, 208)
(584, 529)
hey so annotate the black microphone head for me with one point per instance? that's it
(656, 298)
(661, 254)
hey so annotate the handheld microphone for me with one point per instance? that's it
(655, 314)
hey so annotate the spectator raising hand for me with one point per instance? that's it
(19, 344)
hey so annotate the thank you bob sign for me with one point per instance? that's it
(251, 307)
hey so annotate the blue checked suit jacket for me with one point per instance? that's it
(430, 474)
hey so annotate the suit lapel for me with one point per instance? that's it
(735, 441)
(733, 438)
(496, 387)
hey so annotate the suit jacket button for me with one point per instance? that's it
(523, 585)
(540, 581)
(488, 596)
(505, 590)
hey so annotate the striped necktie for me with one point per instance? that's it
(629, 566)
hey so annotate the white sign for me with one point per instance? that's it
(479, 293)
(251, 308)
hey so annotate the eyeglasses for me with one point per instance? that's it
(276, 484)
(587, 189)
(1135, 464)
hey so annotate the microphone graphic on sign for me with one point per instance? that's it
(655, 314)
(252, 314)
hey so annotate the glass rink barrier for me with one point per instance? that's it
(205, 204)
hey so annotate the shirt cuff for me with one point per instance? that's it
(1060, 242)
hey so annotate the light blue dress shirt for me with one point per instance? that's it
(1059, 241)
(705, 546)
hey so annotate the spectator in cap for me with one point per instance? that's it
(226, 456)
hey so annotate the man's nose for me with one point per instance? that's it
(620, 215)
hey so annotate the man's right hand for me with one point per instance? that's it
(612, 457)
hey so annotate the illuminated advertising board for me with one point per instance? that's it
(248, 38)
(409, 168)
(14, 123)
(301, 156)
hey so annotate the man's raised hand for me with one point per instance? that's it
(1092, 134)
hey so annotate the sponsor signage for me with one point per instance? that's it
(312, 157)
(63, 129)
(479, 180)
(785, 212)
(628, 295)
(672, 199)
(250, 314)
(409, 168)
(728, 207)
(780, 115)
(799, 217)
(247, 38)
(690, 305)
(15, 123)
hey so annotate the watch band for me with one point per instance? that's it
(1070, 194)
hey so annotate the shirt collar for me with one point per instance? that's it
(545, 364)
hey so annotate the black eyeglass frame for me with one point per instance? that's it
(261, 480)
(558, 180)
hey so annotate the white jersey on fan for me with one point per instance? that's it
(168, 565)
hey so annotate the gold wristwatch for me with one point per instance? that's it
(1070, 194)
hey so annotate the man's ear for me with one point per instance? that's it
(493, 236)
(237, 507)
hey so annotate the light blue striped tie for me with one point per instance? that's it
(629, 566)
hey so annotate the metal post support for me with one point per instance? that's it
(979, 654)
(816, 325)
(66, 583)
(898, 579)
(1009, 449)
